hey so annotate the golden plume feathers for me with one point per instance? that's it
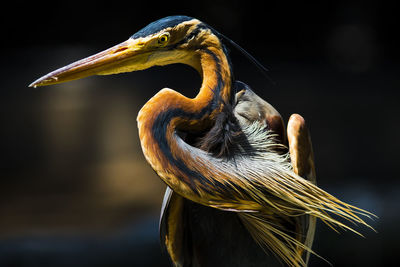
(268, 194)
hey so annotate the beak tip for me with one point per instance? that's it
(37, 83)
(45, 80)
(34, 85)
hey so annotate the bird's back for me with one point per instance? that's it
(210, 237)
(197, 235)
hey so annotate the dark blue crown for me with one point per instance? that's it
(160, 24)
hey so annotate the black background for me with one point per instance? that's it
(75, 188)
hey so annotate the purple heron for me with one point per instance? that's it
(238, 185)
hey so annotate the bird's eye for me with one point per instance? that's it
(163, 39)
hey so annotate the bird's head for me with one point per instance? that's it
(166, 41)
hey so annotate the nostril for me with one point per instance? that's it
(120, 49)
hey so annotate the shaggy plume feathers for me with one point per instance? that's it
(268, 191)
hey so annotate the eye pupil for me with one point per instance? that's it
(163, 39)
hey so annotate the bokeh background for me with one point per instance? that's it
(75, 189)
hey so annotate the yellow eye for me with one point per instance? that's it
(163, 39)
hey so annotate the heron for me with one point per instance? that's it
(241, 189)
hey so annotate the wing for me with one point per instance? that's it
(302, 159)
(171, 227)
(300, 148)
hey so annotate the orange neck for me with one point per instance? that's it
(169, 110)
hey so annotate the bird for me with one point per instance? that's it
(240, 188)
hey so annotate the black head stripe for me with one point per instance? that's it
(191, 35)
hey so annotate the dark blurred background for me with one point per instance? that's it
(75, 189)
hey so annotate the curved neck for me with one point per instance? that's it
(215, 91)
(168, 110)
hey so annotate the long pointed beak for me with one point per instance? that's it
(124, 57)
